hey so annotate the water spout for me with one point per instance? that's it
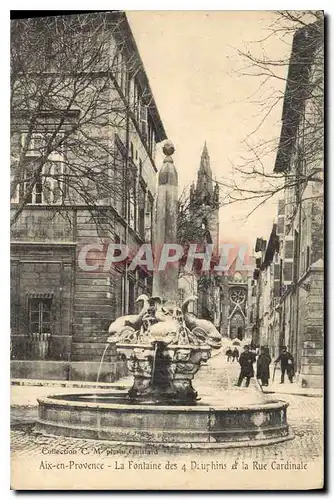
(104, 353)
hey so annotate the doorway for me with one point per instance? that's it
(240, 333)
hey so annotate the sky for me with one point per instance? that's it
(194, 70)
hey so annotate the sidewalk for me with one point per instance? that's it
(293, 389)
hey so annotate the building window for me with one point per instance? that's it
(141, 210)
(288, 272)
(237, 295)
(120, 70)
(16, 194)
(288, 249)
(142, 277)
(181, 295)
(136, 100)
(48, 184)
(296, 256)
(143, 122)
(15, 147)
(131, 296)
(151, 138)
(149, 285)
(39, 316)
(281, 207)
(148, 218)
(132, 198)
(119, 177)
(280, 225)
(125, 184)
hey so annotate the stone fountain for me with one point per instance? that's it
(164, 347)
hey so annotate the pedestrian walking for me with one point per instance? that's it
(235, 354)
(287, 364)
(229, 354)
(263, 363)
(246, 360)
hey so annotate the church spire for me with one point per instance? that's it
(205, 149)
(204, 187)
(205, 162)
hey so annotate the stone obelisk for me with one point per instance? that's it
(165, 281)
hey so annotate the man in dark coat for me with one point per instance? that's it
(229, 354)
(263, 363)
(246, 361)
(287, 365)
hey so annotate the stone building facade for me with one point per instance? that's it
(294, 296)
(238, 311)
(265, 294)
(61, 310)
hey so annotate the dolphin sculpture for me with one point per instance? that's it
(132, 320)
(202, 328)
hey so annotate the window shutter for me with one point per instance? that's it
(258, 244)
(288, 249)
(281, 207)
(288, 260)
(280, 218)
(132, 93)
(280, 225)
(295, 256)
(277, 280)
(287, 272)
(276, 271)
(148, 218)
(143, 120)
(276, 289)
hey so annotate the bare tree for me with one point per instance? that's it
(70, 96)
(299, 163)
(190, 226)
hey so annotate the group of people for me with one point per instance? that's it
(261, 355)
(232, 355)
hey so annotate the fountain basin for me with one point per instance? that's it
(111, 416)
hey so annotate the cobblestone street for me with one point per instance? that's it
(304, 416)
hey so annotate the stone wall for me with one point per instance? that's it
(44, 224)
(92, 301)
(59, 370)
(312, 358)
(317, 248)
(42, 270)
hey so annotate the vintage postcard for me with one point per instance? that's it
(167, 255)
